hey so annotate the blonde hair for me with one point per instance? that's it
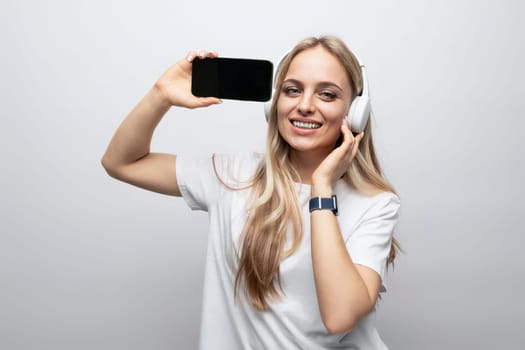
(274, 206)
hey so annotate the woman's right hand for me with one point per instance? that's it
(175, 84)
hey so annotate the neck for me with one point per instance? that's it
(307, 162)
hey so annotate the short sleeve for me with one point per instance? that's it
(197, 181)
(201, 180)
(369, 244)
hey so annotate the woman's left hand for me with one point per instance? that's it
(336, 163)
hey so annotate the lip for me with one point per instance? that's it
(301, 131)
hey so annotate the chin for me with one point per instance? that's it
(309, 146)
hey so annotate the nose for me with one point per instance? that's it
(306, 104)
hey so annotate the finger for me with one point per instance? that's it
(212, 54)
(357, 141)
(191, 56)
(348, 138)
(208, 101)
(206, 54)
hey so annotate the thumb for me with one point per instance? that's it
(208, 101)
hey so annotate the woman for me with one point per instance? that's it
(282, 271)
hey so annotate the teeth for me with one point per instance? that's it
(305, 125)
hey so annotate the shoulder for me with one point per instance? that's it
(361, 201)
(241, 159)
(383, 200)
(238, 167)
(384, 206)
(361, 206)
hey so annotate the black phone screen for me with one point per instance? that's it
(232, 78)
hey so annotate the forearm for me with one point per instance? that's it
(132, 139)
(128, 156)
(341, 291)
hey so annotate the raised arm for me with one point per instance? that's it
(346, 292)
(128, 157)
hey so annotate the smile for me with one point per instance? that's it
(306, 125)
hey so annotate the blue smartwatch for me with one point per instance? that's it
(320, 203)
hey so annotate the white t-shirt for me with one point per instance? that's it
(294, 321)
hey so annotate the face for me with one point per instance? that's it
(314, 99)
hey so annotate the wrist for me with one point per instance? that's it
(158, 97)
(321, 189)
(324, 203)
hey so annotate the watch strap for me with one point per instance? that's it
(323, 203)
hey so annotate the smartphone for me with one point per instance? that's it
(232, 78)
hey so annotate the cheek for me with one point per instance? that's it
(281, 124)
(336, 111)
(283, 111)
(283, 106)
(335, 118)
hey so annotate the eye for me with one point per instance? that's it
(328, 95)
(291, 91)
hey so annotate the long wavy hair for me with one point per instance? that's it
(274, 206)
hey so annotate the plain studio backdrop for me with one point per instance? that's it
(87, 262)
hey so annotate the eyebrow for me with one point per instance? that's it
(321, 84)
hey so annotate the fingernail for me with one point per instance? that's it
(189, 57)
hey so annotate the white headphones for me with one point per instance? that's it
(359, 109)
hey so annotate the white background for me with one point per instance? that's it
(87, 262)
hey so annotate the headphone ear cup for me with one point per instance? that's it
(358, 114)
(268, 107)
(268, 104)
